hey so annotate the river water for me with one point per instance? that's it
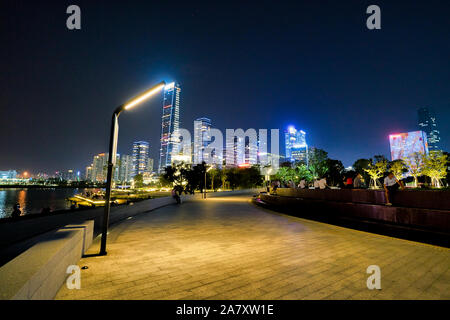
(32, 200)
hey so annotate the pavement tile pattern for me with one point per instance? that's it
(228, 248)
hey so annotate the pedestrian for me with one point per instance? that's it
(176, 196)
(358, 183)
(316, 184)
(391, 185)
(302, 184)
(16, 211)
(291, 184)
(322, 183)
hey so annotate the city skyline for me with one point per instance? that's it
(346, 86)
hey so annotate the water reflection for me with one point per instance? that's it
(33, 200)
(2, 203)
(22, 197)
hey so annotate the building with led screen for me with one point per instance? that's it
(170, 124)
(404, 145)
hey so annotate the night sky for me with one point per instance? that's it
(244, 64)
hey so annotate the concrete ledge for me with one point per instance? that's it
(15, 231)
(88, 233)
(39, 272)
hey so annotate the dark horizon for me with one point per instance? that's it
(243, 65)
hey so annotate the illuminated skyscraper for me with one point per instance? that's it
(126, 168)
(170, 124)
(99, 165)
(296, 146)
(428, 124)
(202, 137)
(140, 157)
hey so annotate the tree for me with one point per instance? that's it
(285, 174)
(302, 172)
(435, 166)
(318, 162)
(335, 171)
(376, 170)
(138, 181)
(398, 168)
(232, 177)
(360, 165)
(415, 166)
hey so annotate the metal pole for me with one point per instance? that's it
(205, 182)
(111, 160)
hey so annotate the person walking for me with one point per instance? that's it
(176, 196)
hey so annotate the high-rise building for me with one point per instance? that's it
(428, 124)
(97, 171)
(170, 124)
(126, 168)
(150, 165)
(202, 137)
(88, 176)
(296, 146)
(10, 174)
(99, 167)
(140, 157)
(235, 153)
(404, 145)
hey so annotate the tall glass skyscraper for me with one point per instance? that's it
(140, 157)
(202, 137)
(296, 146)
(170, 124)
(428, 124)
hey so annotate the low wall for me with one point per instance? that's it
(426, 199)
(14, 231)
(329, 204)
(40, 270)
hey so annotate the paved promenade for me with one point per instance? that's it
(227, 248)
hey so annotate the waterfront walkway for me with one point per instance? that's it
(227, 248)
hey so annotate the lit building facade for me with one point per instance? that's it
(202, 137)
(99, 167)
(170, 124)
(296, 146)
(140, 157)
(428, 124)
(9, 174)
(404, 145)
(125, 168)
(97, 171)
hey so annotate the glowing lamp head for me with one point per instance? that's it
(144, 96)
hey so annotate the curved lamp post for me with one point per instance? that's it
(113, 150)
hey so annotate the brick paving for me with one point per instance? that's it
(227, 248)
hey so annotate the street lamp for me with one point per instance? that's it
(205, 180)
(113, 150)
